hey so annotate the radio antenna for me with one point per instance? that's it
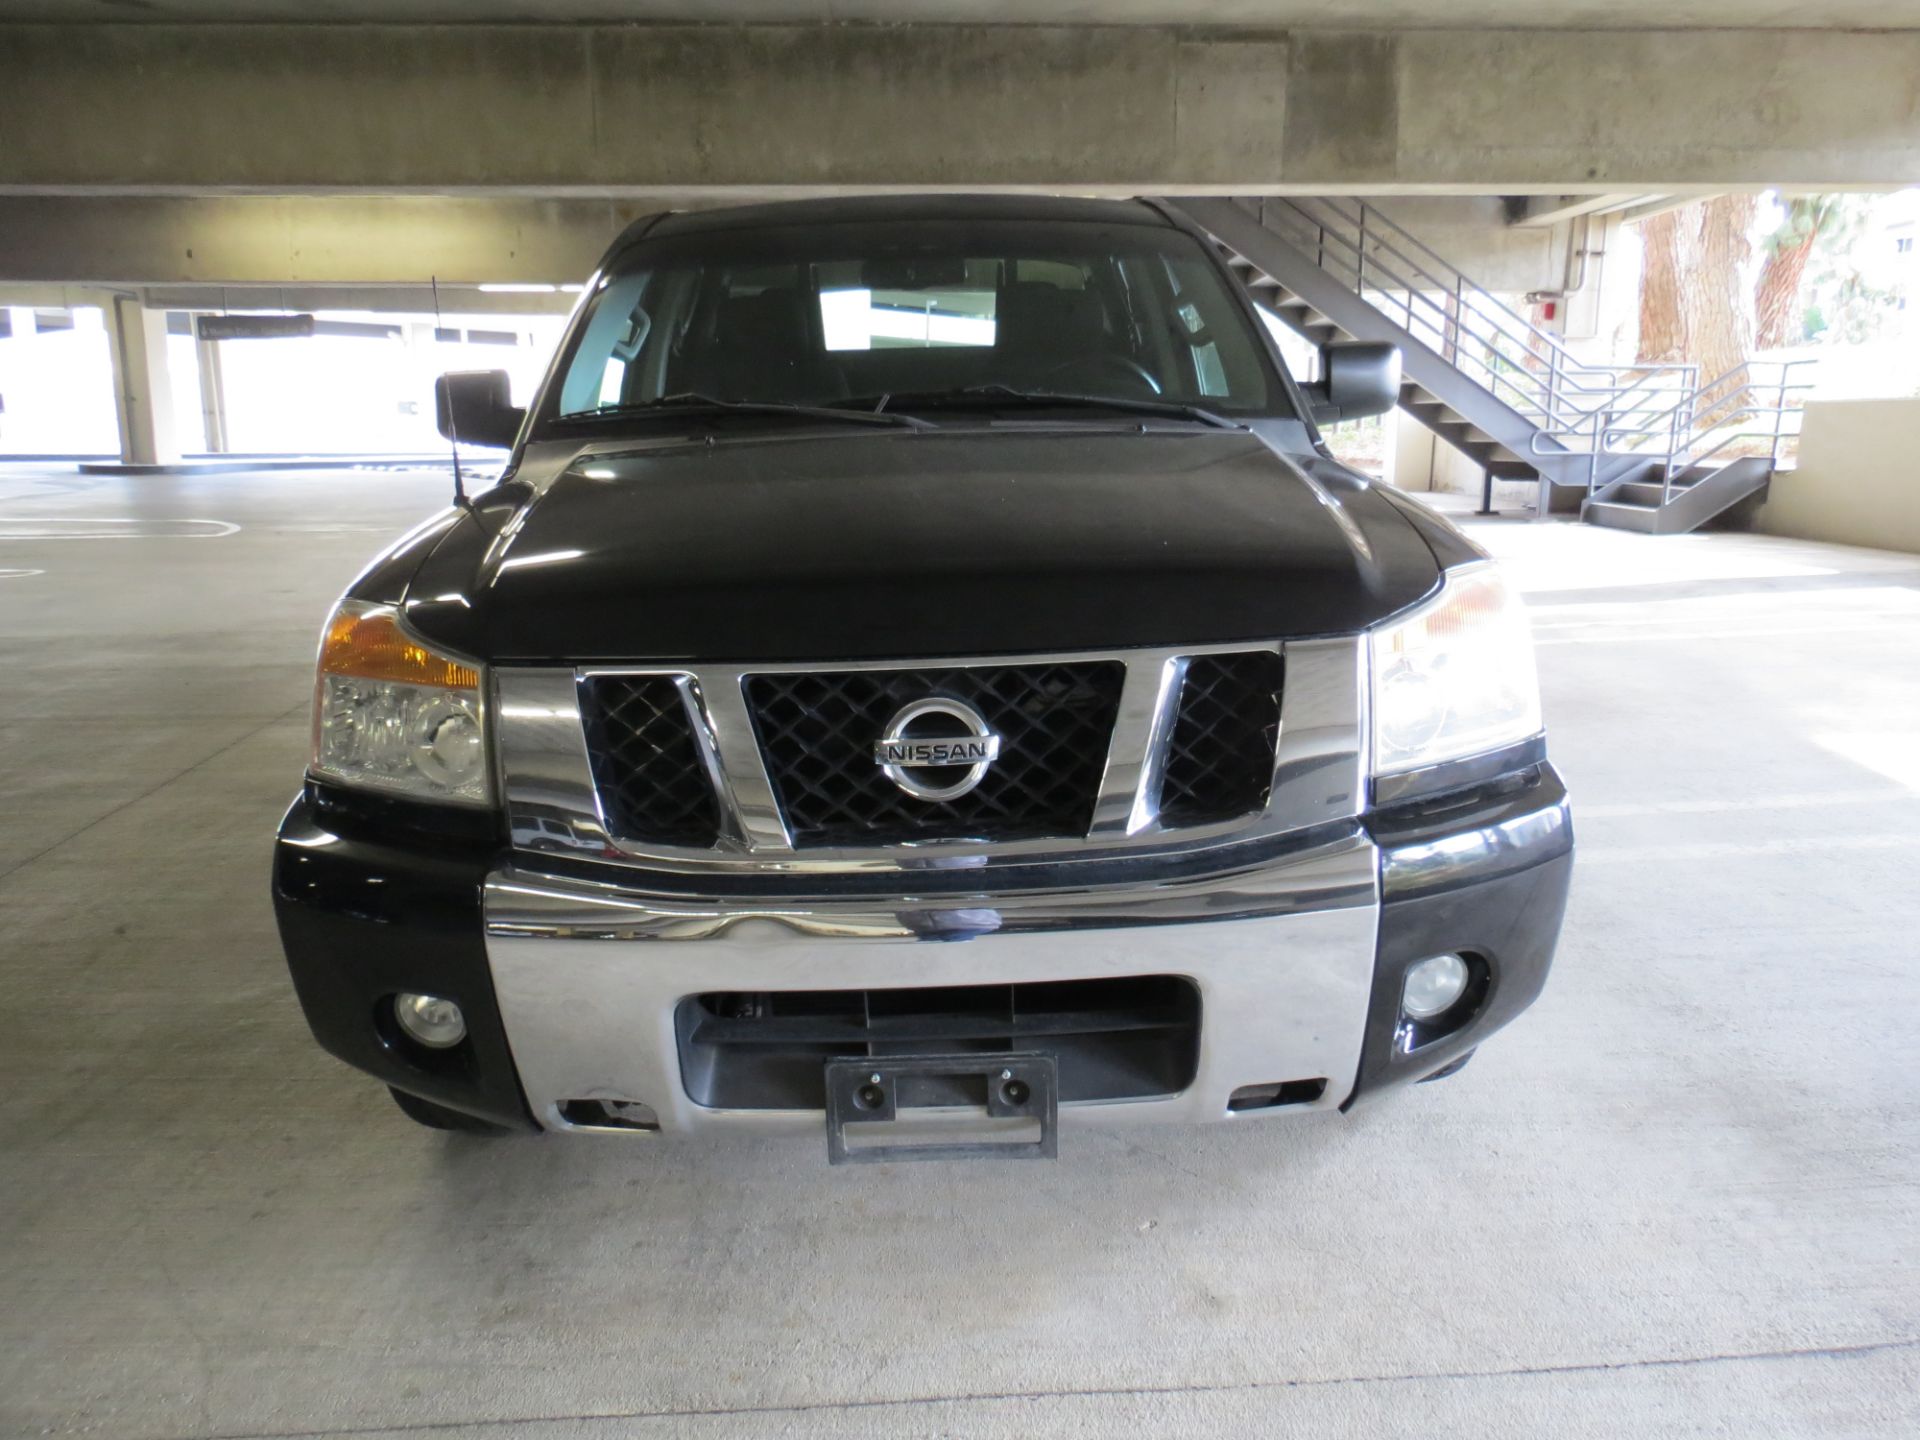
(453, 425)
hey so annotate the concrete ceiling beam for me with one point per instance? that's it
(1546, 211)
(616, 110)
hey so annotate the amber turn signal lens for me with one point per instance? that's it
(370, 645)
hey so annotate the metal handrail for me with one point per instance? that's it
(1476, 316)
(1460, 278)
(1450, 325)
(1580, 407)
(1458, 282)
(1684, 443)
(1744, 366)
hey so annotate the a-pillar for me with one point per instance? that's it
(142, 392)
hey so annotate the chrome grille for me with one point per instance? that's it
(1220, 758)
(597, 764)
(646, 766)
(817, 731)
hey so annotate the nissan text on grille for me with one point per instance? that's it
(920, 678)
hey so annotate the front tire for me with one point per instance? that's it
(439, 1117)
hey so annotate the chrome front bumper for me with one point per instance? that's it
(588, 976)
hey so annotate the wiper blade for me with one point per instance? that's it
(692, 403)
(990, 394)
(1174, 408)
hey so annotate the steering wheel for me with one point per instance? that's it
(1111, 364)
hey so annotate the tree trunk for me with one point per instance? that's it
(1778, 318)
(1717, 304)
(1776, 296)
(1663, 338)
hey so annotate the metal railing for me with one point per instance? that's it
(1698, 428)
(1528, 369)
(1710, 422)
(1654, 411)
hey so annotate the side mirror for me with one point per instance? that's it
(476, 407)
(1360, 378)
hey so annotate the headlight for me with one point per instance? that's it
(1455, 677)
(391, 714)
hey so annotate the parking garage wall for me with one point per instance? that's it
(1855, 483)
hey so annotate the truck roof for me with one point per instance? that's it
(855, 209)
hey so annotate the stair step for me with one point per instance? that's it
(1511, 470)
(1615, 516)
(1644, 492)
(1463, 434)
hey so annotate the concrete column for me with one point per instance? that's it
(1410, 458)
(142, 393)
(213, 395)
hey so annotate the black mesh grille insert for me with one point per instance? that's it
(817, 732)
(1220, 762)
(1114, 1039)
(640, 745)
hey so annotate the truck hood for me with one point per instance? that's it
(904, 544)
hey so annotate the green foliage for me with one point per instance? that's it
(1804, 217)
(1847, 309)
(1841, 304)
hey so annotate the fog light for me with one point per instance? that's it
(1433, 987)
(434, 1022)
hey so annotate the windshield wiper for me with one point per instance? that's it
(692, 403)
(988, 395)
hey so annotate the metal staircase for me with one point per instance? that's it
(1639, 447)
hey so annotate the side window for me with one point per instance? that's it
(613, 382)
(1207, 369)
(626, 349)
(616, 328)
(1220, 353)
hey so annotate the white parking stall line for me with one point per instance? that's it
(77, 527)
(1809, 847)
(1644, 637)
(1714, 805)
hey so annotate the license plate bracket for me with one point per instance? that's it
(869, 1090)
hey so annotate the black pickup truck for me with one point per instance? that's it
(921, 677)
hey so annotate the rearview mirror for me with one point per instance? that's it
(1359, 378)
(476, 407)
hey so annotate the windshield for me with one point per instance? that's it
(917, 312)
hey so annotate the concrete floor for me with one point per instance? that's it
(1681, 1197)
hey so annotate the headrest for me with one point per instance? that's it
(772, 320)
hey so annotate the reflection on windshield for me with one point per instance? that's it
(887, 319)
(831, 315)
